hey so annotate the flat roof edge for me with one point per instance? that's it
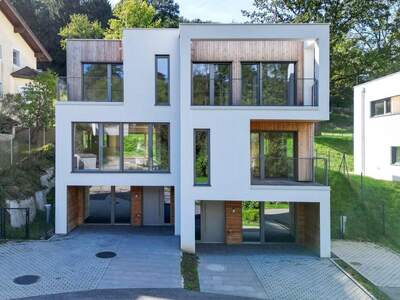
(376, 79)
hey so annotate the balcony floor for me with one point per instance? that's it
(284, 181)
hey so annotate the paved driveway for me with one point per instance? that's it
(146, 258)
(378, 264)
(272, 272)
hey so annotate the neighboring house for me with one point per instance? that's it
(377, 128)
(180, 127)
(20, 51)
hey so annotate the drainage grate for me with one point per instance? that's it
(26, 279)
(106, 254)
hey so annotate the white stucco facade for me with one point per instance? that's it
(374, 136)
(229, 125)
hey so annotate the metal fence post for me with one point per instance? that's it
(3, 223)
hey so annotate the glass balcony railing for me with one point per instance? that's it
(245, 92)
(289, 171)
(90, 89)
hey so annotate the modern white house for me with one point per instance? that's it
(188, 127)
(377, 128)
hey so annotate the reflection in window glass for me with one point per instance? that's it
(86, 146)
(201, 160)
(381, 107)
(136, 147)
(396, 155)
(122, 204)
(95, 82)
(162, 80)
(278, 83)
(250, 84)
(279, 154)
(117, 83)
(111, 147)
(255, 155)
(201, 84)
(160, 147)
(98, 208)
(222, 84)
(197, 220)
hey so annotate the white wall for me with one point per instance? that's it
(139, 50)
(374, 136)
(230, 127)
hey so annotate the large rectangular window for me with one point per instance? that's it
(201, 156)
(121, 147)
(86, 146)
(103, 82)
(269, 83)
(381, 107)
(162, 79)
(396, 156)
(273, 156)
(211, 84)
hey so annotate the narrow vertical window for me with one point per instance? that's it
(162, 79)
(201, 157)
(16, 58)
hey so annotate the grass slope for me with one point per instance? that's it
(372, 206)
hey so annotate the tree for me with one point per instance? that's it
(47, 17)
(35, 106)
(364, 36)
(80, 27)
(131, 14)
(167, 12)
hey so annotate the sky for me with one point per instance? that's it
(223, 11)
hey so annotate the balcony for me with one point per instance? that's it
(255, 92)
(289, 171)
(90, 89)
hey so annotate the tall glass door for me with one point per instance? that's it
(122, 205)
(251, 221)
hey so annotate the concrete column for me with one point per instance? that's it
(325, 227)
(188, 242)
(61, 208)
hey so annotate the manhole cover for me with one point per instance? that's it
(106, 254)
(26, 279)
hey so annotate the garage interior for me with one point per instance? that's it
(239, 222)
(120, 205)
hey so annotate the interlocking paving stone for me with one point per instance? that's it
(378, 264)
(272, 272)
(69, 263)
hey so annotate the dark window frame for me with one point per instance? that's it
(261, 154)
(395, 161)
(108, 78)
(386, 103)
(208, 131)
(157, 56)
(260, 80)
(121, 147)
(212, 81)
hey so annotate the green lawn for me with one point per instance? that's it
(372, 206)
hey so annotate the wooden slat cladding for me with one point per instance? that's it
(89, 51)
(233, 222)
(75, 206)
(395, 105)
(237, 51)
(136, 205)
(307, 224)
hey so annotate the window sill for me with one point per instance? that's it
(202, 185)
(119, 172)
(385, 115)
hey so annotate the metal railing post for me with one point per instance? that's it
(27, 223)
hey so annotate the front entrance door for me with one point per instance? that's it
(153, 206)
(213, 221)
